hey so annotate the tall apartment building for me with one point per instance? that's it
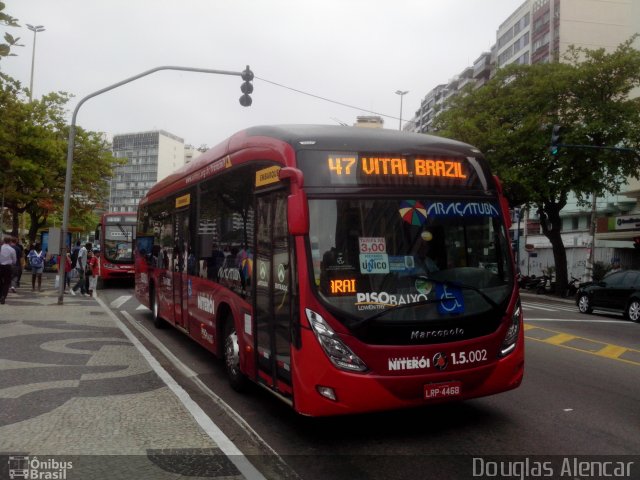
(151, 156)
(538, 31)
(541, 31)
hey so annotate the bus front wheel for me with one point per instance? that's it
(237, 379)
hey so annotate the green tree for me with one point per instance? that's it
(9, 40)
(510, 119)
(33, 158)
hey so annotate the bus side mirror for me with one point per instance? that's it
(298, 214)
(504, 204)
(297, 206)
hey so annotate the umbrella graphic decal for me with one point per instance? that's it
(246, 267)
(413, 212)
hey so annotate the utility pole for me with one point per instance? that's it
(245, 101)
(588, 277)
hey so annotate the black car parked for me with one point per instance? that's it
(618, 292)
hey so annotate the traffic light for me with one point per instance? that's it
(636, 242)
(247, 87)
(555, 140)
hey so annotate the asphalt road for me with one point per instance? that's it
(580, 397)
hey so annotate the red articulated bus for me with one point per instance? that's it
(343, 269)
(114, 237)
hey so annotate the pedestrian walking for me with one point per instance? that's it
(7, 260)
(81, 268)
(36, 261)
(92, 272)
(65, 272)
(74, 254)
(17, 268)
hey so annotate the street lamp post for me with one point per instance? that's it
(35, 30)
(71, 144)
(402, 93)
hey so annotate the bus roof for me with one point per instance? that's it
(334, 137)
(322, 137)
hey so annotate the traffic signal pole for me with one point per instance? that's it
(72, 134)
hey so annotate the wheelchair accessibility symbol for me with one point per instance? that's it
(452, 299)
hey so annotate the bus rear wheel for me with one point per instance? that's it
(237, 379)
(158, 322)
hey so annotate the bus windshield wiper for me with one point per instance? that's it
(448, 283)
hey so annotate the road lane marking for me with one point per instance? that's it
(538, 307)
(612, 351)
(582, 344)
(118, 302)
(560, 338)
(187, 372)
(234, 454)
(579, 320)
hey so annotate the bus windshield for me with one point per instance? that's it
(118, 242)
(436, 258)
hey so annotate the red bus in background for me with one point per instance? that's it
(342, 269)
(114, 238)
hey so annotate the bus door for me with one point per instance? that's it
(179, 270)
(272, 275)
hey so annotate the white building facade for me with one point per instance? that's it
(151, 156)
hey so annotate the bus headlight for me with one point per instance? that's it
(510, 339)
(339, 354)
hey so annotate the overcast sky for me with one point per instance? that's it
(357, 52)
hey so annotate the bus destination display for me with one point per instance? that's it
(389, 166)
(345, 169)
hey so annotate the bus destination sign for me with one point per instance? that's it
(352, 169)
(340, 166)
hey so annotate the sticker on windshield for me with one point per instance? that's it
(463, 209)
(413, 212)
(372, 245)
(405, 263)
(382, 300)
(374, 263)
(423, 285)
(451, 298)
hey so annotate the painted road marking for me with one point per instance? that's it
(582, 344)
(537, 307)
(118, 302)
(580, 320)
(215, 433)
(548, 307)
(559, 339)
(611, 351)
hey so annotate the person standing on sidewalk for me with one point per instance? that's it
(7, 260)
(17, 268)
(36, 260)
(81, 267)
